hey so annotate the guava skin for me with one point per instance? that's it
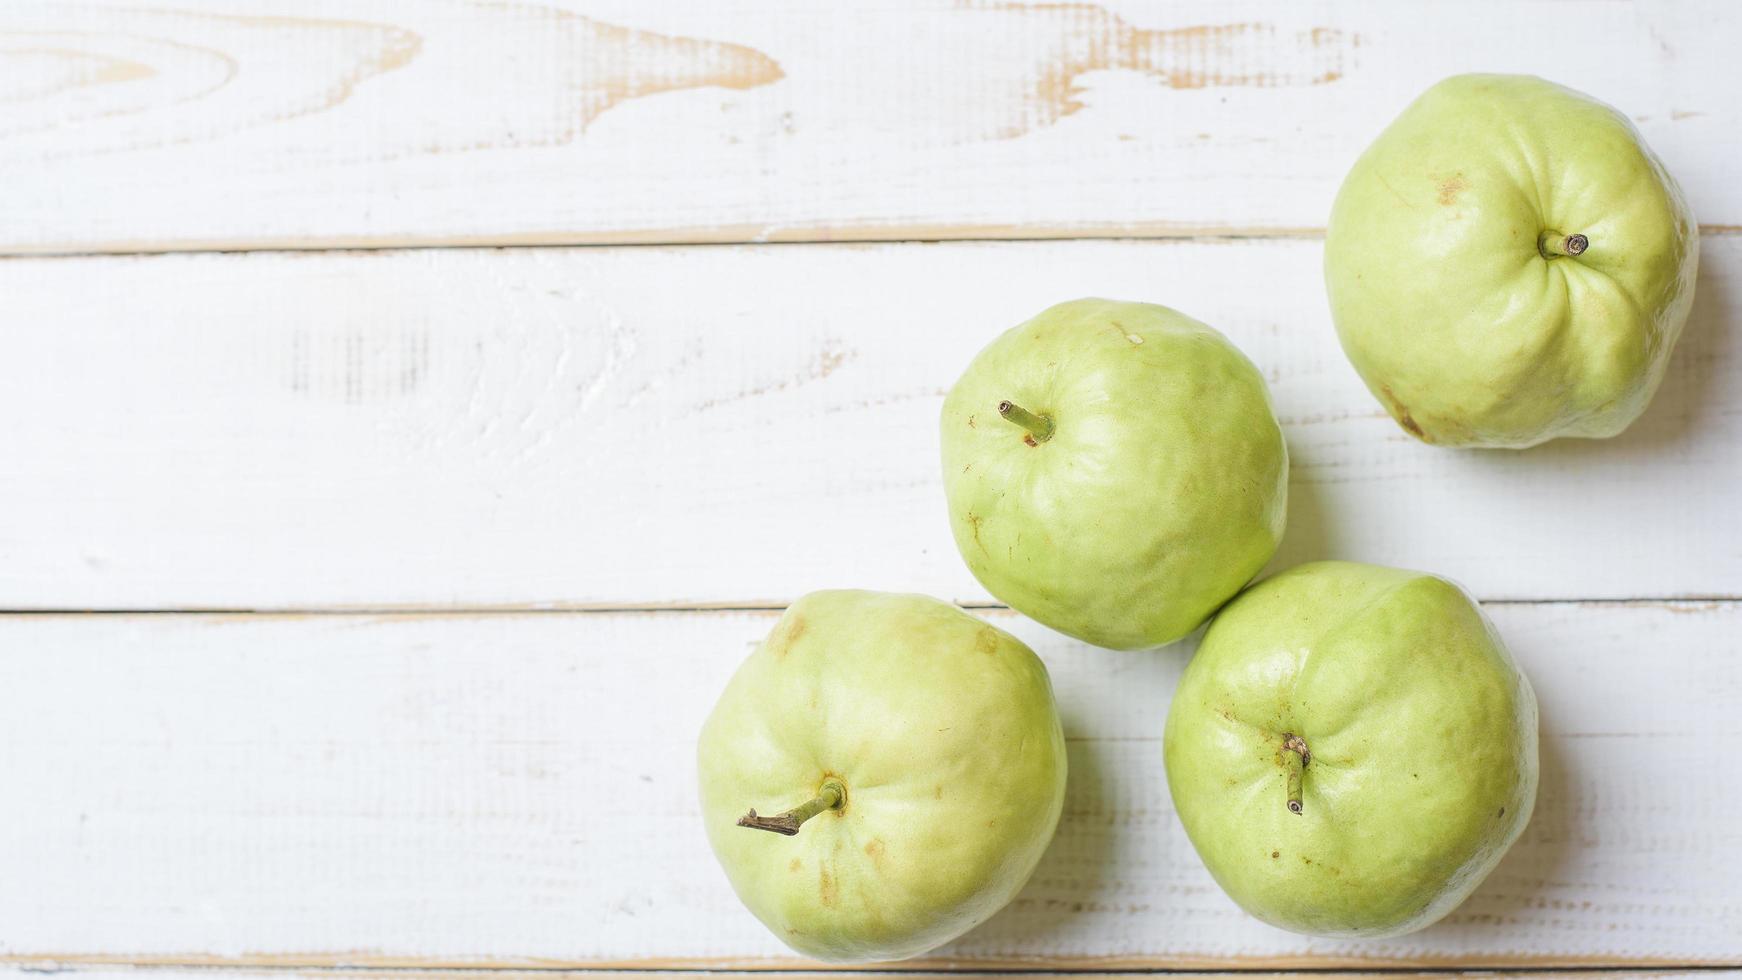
(1456, 319)
(1162, 490)
(943, 731)
(1421, 735)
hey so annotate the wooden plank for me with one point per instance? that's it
(449, 790)
(229, 972)
(180, 972)
(719, 426)
(271, 123)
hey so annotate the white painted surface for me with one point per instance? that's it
(518, 789)
(650, 426)
(306, 122)
(735, 426)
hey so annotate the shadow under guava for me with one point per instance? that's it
(1685, 401)
(1549, 843)
(1688, 424)
(1311, 531)
(1114, 828)
(1091, 869)
(1097, 843)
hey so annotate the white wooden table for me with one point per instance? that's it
(409, 424)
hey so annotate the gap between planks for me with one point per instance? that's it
(1676, 603)
(724, 235)
(802, 970)
(1563, 967)
(891, 972)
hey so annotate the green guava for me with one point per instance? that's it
(913, 761)
(1352, 749)
(1509, 263)
(1114, 471)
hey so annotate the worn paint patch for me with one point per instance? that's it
(391, 49)
(201, 76)
(37, 73)
(549, 74)
(608, 64)
(1071, 39)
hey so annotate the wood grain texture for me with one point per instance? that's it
(424, 790)
(720, 426)
(251, 123)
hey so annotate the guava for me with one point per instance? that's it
(1352, 749)
(882, 774)
(1114, 470)
(1509, 263)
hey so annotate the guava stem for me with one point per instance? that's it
(1553, 243)
(829, 797)
(1038, 426)
(1295, 757)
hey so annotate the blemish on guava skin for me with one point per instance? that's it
(1275, 854)
(827, 891)
(1502, 812)
(974, 522)
(788, 635)
(1450, 187)
(937, 792)
(1120, 331)
(971, 422)
(1030, 441)
(794, 865)
(874, 850)
(986, 642)
(1401, 412)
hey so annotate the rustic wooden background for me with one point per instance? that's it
(413, 411)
